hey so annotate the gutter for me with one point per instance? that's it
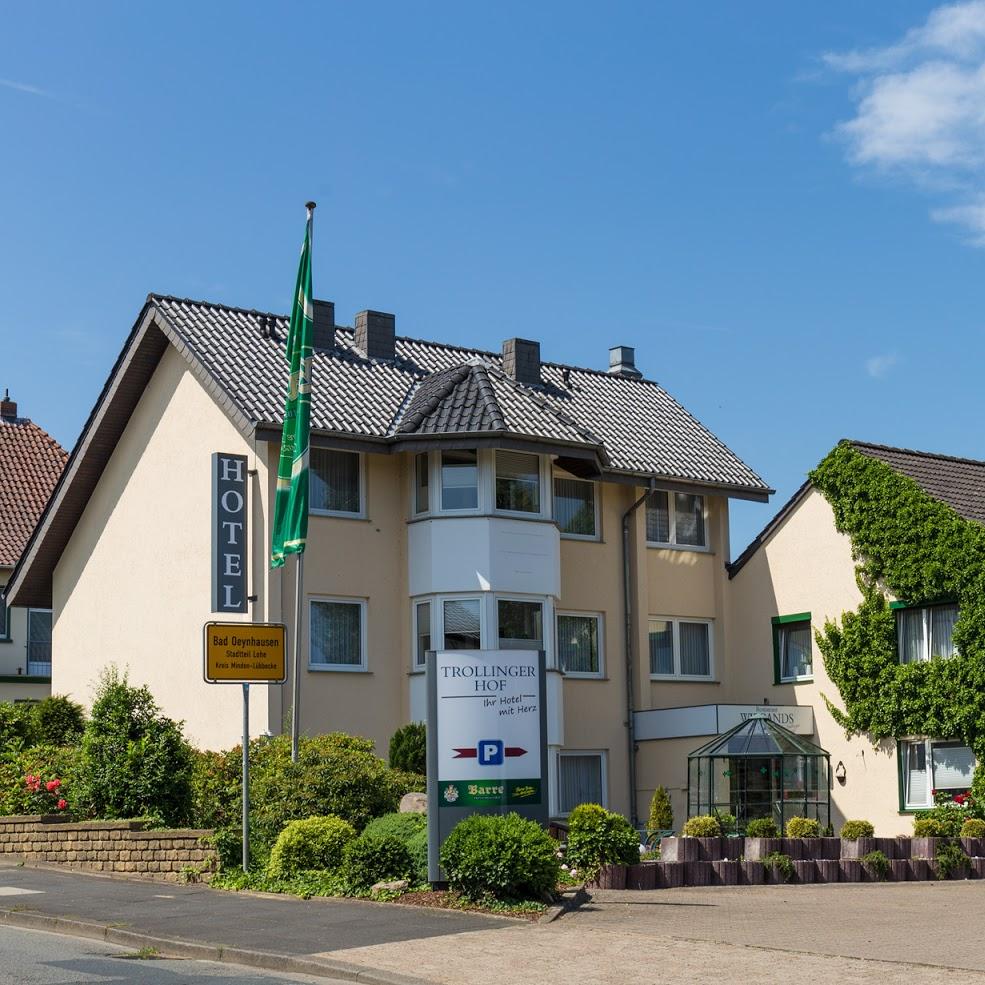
(630, 669)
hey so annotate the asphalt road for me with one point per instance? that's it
(30, 957)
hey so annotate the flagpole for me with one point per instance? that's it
(299, 598)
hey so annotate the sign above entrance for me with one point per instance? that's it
(245, 653)
(694, 720)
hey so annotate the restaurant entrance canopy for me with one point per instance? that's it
(760, 769)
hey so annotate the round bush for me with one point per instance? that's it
(973, 828)
(762, 827)
(930, 827)
(853, 830)
(58, 721)
(803, 827)
(702, 826)
(310, 843)
(505, 856)
(402, 826)
(598, 837)
(408, 748)
(376, 858)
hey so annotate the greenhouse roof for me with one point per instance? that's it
(758, 736)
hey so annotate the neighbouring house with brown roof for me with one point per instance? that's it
(30, 463)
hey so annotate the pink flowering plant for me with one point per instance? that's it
(44, 796)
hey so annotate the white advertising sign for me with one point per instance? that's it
(796, 718)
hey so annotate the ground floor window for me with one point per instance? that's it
(521, 624)
(581, 780)
(462, 620)
(337, 634)
(927, 766)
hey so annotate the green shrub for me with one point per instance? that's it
(57, 721)
(417, 847)
(946, 817)
(135, 762)
(16, 726)
(853, 830)
(598, 837)
(702, 826)
(762, 827)
(803, 827)
(503, 856)
(950, 859)
(661, 813)
(930, 827)
(375, 858)
(408, 748)
(877, 864)
(412, 830)
(727, 822)
(46, 762)
(311, 843)
(973, 827)
(781, 862)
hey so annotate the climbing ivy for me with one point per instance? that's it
(912, 547)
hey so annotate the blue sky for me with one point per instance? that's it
(781, 205)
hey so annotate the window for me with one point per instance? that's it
(581, 780)
(578, 649)
(421, 483)
(521, 625)
(517, 482)
(335, 482)
(924, 633)
(574, 507)
(792, 656)
(39, 642)
(680, 648)
(462, 624)
(675, 518)
(4, 621)
(459, 480)
(927, 766)
(338, 635)
(422, 633)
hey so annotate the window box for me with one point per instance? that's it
(337, 634)
(676, 519)
(792, 649)
(579, 644)
(337, 483)
(680, 649)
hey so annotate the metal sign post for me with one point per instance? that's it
(245, 653)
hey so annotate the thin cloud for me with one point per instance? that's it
(878, 367)
(25, 87)
(920, 110)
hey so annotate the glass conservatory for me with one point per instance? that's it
(760, 769)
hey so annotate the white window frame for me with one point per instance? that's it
(545, 491)
(596, 496)
(429, 462)
(438, 622)
(360, 514)
(5, 620)
(531, 600)
(363, 666)
(439, 489)
(675, 622)
(925, 610)
(602, 755)
(415, 667)
(672, 518)
(928, 745)
(599, 618)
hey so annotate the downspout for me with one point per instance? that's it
(630, 669)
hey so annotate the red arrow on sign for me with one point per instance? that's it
(473, 753)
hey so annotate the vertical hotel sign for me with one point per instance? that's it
(229, 533)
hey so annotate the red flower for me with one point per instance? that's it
(62, 804)
(52, 785)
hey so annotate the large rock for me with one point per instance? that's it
(414, 803)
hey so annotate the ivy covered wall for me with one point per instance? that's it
(914, 548)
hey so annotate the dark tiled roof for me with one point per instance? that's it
(30, 463)
(959, 482)
(638, 427)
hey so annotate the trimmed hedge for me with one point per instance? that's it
(853, 830)
(311, 843)
(762, 827)
(375, 858)
(702, 826)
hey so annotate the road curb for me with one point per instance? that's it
(171, 948)
(569, 901)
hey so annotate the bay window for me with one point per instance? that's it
(422, 633)
(517, 482)
(462, 621)
(421, 481)
(460, 480)
(521, 625)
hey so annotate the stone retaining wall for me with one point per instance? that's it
(108, 846)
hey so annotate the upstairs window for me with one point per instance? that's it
(578, 646)
(335, 482)
(4, 621)
(337, 634)
(517, 482)
(574, 507)
(925, 633)
(675, 519)
(680, 648)
(421, 498)
(792, 653)
(460, 480)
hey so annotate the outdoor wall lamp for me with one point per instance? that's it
(840, 772)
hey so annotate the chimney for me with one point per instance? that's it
(324, 328)
(622, 362)
(375, 334)
(8, 407)
(521, 360)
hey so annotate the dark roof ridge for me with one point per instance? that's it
(444, 382)
(913, 451)
(482, 383)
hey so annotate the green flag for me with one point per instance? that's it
(291, 502)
